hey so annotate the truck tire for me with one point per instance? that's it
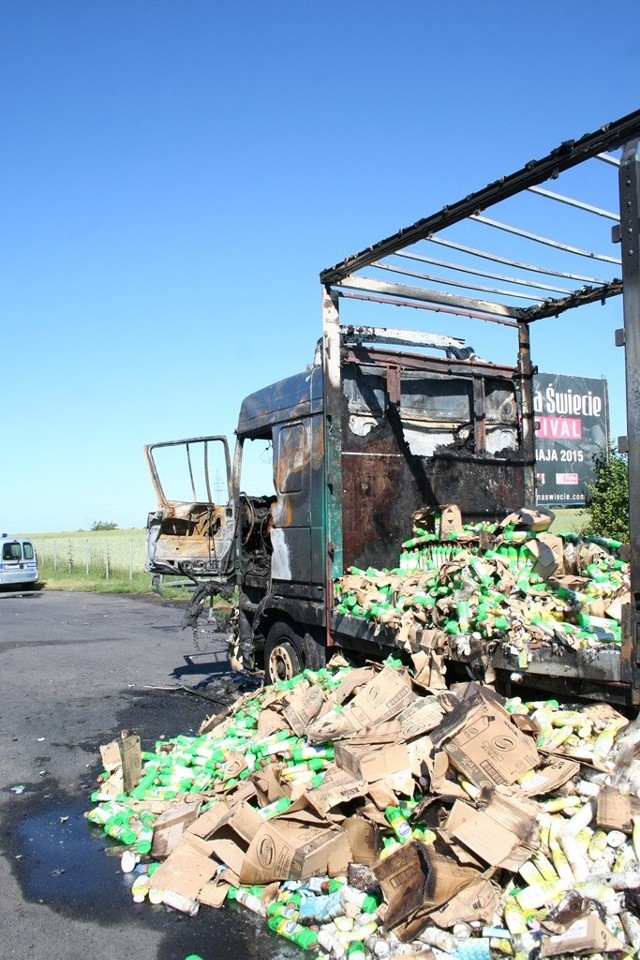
(287, 652)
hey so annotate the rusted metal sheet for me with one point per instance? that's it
(385, 479)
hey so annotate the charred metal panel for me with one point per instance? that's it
(423, 452)
(291, 532)
(299, 395)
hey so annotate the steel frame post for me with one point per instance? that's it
(629, 185)
(331, 360)
(526, 399)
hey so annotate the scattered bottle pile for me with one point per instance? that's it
(566, 882)
(489, 584)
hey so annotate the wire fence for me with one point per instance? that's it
(92, 556)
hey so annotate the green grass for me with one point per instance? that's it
(95, 561)
(568, 521)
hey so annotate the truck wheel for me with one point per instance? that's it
(286, 653)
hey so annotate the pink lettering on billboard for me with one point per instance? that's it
(558, 428)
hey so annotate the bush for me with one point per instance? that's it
(104, 525)
(608, 497)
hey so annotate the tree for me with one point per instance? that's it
(608, 496)
(104, 525)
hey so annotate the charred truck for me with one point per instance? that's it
(385, 421)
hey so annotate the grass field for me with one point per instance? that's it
(92, 552)
(93, 560)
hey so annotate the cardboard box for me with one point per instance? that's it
(503, 833)
(185, 872)
(371, 761)
(553, 773)
(417, 876)
(302, 707)
(548, 550)
(480, 900)
(616, 810)
(129, 745)
(284, 850)
(483, 743)
(170, 826)
(110, 755)
(338, 786)
(450, 519)
(213, 894)
(586, 935)
(380, 699)
(207, 823)
(364, 840)
(355, 679)
(421, 716)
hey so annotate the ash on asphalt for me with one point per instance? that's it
(62, 861)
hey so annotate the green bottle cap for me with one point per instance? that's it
(369, 904)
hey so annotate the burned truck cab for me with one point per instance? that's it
(280, 544)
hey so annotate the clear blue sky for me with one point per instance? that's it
(175, 175)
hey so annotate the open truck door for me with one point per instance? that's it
(192, 532)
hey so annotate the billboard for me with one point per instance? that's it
(572, 424)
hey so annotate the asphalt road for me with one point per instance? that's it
(77, 669)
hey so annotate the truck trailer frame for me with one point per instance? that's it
(386, 420)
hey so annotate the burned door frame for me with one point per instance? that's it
(214, 555)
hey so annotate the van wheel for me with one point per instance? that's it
(286, 653)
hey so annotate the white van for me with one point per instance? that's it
(18, 561)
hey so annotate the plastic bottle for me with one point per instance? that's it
(128, 861)
(287, 908)
(250, 901)
(476, 948)
(281, 805)
(540, 894)
(435, 937)
(631, 925)
(356, 950)
(145, 835)
(140, 887)
(364, 901)
(290, 930)
(626, 880)
(118, 828)
(329, 942)
(378, 947)
(398, 823)
(178, 902)
(321, 909)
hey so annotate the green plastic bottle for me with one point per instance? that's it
(281, 805)
(398, 823)
(290, 930)
(145, 835)
(355, 950)
(118, 828)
